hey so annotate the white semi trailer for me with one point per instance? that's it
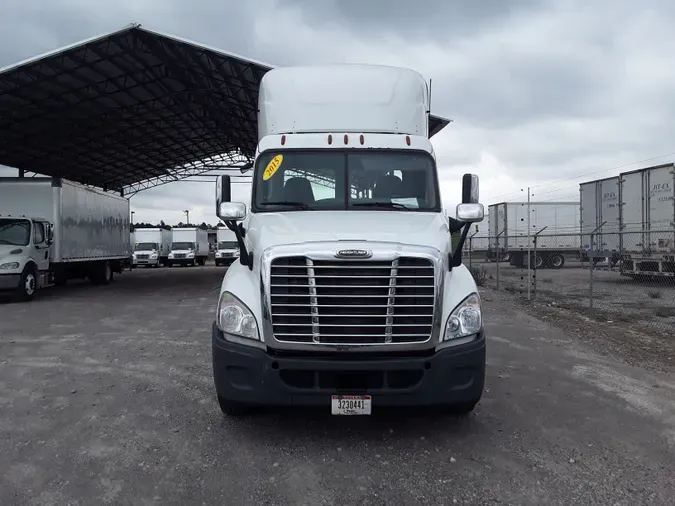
(348, 293)
(53, 230)
(227, 250)
(151, 246)
(647, 218)
(556, 223)
(190, 246)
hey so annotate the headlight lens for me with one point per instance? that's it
(154, 256)
(234, 317)
(190, 255)
(9, 266)
(465, 320)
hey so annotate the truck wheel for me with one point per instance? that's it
(28, 285)
(232, 408)
(539, 262)
(557, 261)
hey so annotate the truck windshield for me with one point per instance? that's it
(145, 246)
(228, 245)
(183, 245)
(14, 231)
(374, 180)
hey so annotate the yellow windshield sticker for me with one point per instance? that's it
(273, 167)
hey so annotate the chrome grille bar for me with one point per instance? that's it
(355, 302)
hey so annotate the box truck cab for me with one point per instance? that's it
(53, 230)
(348, 294)
(227, 250)
(189, 246)
(151, 246)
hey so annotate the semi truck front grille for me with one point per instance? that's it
(356, 302)
(143, 257)
(179, 255)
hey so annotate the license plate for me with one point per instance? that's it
(351, 404)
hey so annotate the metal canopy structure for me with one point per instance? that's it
(131, 110)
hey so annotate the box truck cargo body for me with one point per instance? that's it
(151, 246)
(600, 216)
(227, 249)
(647, 220)
(557, 224)
(52, 230)
(189, 246)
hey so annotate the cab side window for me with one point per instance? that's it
(38, 233)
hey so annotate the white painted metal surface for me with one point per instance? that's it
(648, 210)
(561, 220)
(194, 235)
(159, 236)
(343, 98)
(600, 204)
(89, 224)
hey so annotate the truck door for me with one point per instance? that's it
(41, 248)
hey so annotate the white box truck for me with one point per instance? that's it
(556, 224)
(647, 217)
(53, 230)
(227, 249)
(348, 294)
(189, 246)
(600, 218)
(151, 246)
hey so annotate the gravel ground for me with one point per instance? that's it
(650, 304)
(107, 398)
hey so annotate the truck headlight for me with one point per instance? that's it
(234, 317)
(9, 266)
(153, 256)
(465, 320)
(190, 255)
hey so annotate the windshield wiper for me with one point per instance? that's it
(291, 203)
(384, 205)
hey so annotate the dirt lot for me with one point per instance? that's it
(106, 397)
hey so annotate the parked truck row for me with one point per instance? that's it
(53, 230)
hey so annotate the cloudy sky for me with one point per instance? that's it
(543, 93)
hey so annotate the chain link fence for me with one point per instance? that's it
(627, 275)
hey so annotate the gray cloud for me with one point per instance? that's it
(540, 91)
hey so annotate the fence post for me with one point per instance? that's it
(591, 256)
(471, 249)
(534, 276)
(498, 256)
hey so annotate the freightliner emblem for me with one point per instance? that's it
(354, 253)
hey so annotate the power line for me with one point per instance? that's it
(584, 175)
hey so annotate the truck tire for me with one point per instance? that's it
(101, 273)
(557, 261)
(28, 284)
(232, 408)
(539, 262)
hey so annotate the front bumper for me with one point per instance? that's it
(254, 376)
(145, 261)
(9, 281)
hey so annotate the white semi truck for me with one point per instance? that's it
(151, 246)
(190, 246)
(227, 250)
(348, 294)
(53, 230)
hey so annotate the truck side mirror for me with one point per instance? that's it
(223, 191)
(470, 213)
(470, 189)
(50, 234)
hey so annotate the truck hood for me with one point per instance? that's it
(6, 255)
(265, 230)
